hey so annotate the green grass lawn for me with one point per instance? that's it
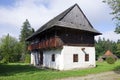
(20, 71)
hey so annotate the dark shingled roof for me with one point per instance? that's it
(73, 18)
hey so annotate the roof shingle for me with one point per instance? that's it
(73, 18)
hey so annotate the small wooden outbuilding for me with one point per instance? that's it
(108, 53)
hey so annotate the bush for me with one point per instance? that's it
(110, 60)
(27, 58)
(4, 61)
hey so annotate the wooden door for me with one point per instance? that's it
(41, 57)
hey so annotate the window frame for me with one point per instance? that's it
(75, 57)
(86, 57)
(53, 58)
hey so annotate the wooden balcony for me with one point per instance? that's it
(54, 42)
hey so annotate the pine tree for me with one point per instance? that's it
(26, 31)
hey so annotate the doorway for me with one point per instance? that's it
(41, 57)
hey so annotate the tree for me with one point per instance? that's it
(10, 51)
(26, 31)
(118, 49)
(115, 6)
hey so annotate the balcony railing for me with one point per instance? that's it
(47, 44)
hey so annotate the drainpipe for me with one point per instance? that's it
(83, 49)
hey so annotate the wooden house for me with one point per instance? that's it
(108, 53)
(65, 42)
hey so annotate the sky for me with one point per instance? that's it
(14, 12)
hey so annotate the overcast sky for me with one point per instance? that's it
(14, 12)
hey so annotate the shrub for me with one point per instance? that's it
(110, 60)
(4, 61)
(27, 58)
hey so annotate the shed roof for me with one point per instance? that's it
(72, 18)
(108, 53)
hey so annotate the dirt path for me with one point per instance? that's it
(101, 76)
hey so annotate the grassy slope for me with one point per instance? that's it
(17, 71)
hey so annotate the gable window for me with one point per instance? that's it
(86, 57)
(53, 57)
(75, 57)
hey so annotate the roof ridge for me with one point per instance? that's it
(69, 10)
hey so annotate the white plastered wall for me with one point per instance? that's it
(68, 52)
(34, 58)
(47, 60)
(64, 58)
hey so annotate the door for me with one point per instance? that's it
(41, 57)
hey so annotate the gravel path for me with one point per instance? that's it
(101, 76)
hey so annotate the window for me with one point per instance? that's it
(75, 57)
(53, 57)
(86, 57)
